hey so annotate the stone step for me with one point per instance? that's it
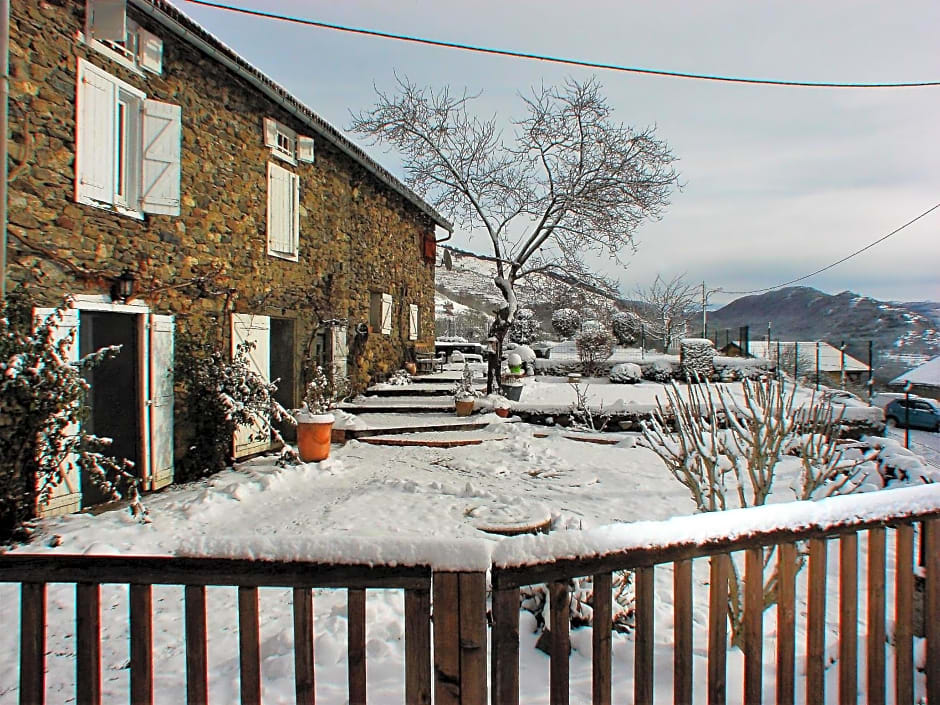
(348, 434)
(400, 404)
(415, 390)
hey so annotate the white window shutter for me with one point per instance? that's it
(305, 149)
(412, 321)
(94, 135)
(66, 496)
(107, 19)
(283, 210)
(160, 172)
(386, 314)
(161, 400)
(295, 213)
(270, 132)
(149, 51)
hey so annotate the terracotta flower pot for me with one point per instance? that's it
(502, 412)
(313, 439)
(464, 407)
(412, 368)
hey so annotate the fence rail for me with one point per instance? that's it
(458, 672)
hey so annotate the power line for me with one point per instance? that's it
(557, 59)
(844, 259)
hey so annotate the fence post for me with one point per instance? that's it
(459, 603)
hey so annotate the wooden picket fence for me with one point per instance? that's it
(455, 671)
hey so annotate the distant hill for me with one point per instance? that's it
(903, 335)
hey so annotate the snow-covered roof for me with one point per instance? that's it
(188, 30)
(927, 374)
(830, 357)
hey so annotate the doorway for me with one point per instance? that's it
(113, 402)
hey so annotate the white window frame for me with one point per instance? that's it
(292, 218)
(285, 143)
(126, 156)
(126, 53)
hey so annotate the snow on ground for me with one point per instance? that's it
(369, 495)
(925, 443)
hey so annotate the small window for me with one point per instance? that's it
(111, 32)
(381, 313)
(286, 144)
(283, 212)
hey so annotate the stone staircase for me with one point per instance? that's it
(418, 414)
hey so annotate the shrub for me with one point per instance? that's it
(658, 371)
(594, 346)
(566, 322)
(626, 327)
(626, 373)
(219, 395)
(525, 327)
(41, 408)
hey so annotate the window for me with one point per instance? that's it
(412, 321)
(283, 212)
(110, 31)
(381, 313)
(286, 144)
(127, 147)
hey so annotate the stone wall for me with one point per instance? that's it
(357, 236)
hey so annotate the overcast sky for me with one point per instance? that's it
(778, 182)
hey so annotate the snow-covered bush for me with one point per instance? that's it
(626, 373)
(219, 395)
(594, 346)
(566, 322)
(736, 369)
(465, 388)
(525, 327)
(626, 327)
(400, 378)
(41, 406)
(323, 392)
(658, 371)
(534, 599)
(695, 358)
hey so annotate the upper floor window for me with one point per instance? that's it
(286, 144)
(109, 30)
(283, 212)
(127, 147)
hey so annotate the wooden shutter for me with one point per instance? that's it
(270, 132)
(386, 314)
(149, 51)
(66, 497)
(161, 401)
(340, 352)
(412, 321)
(257, 330)
(283, 211)
(305, 149)
(107, 19)
(94, 135)
(160, 171)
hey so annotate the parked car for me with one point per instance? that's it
(916, 413)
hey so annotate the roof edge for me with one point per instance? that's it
(191, 32)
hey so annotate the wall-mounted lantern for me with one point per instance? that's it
(122, 288)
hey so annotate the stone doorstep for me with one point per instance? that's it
(583, 439)
(443, 390)
(341, 435)
(428, 443)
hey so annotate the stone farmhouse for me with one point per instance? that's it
(173, 189)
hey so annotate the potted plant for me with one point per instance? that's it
(465, 392)
(501, 406)
(511, 387)
(314, 420)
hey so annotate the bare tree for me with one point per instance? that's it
(571, 183)
(666, 307)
